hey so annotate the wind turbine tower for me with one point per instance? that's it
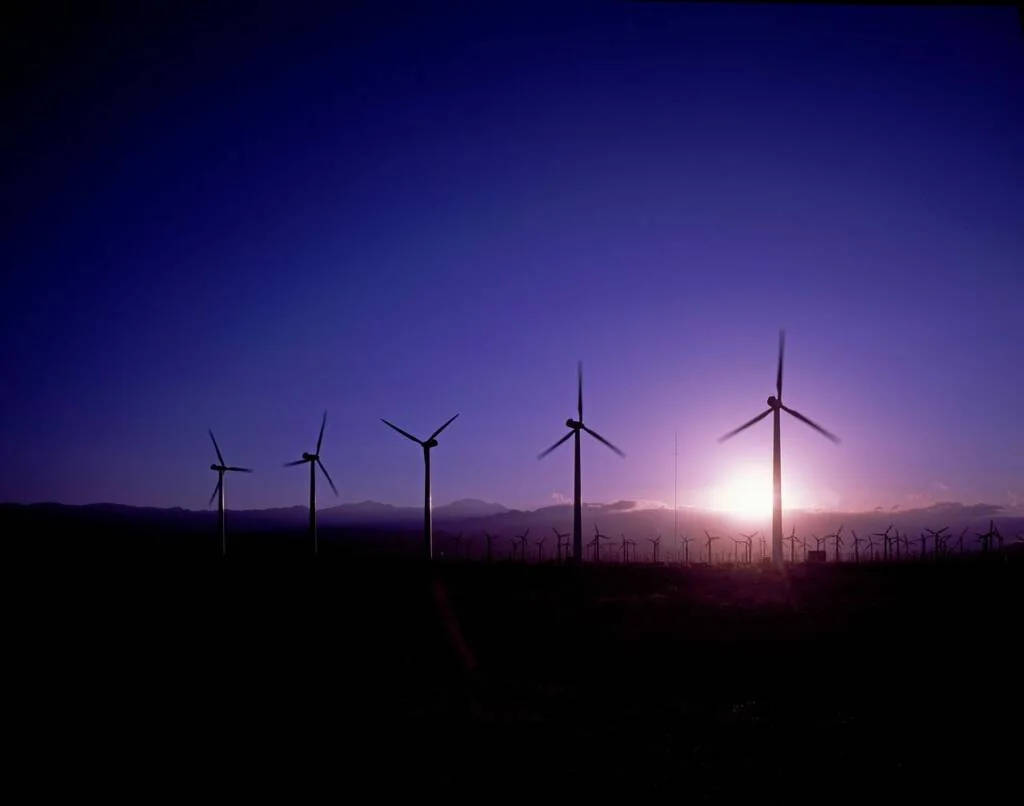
(313, 460)
(575, 427)
(775, 408)
(426, 444)
(218, 492)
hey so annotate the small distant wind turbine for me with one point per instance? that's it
(710, 541)
(856, 545)
(313, 460)
(490, 540)
(426, 444)
(686, 541)
(559, 537)
(218, 491)
(522, 544)
(575, 426)
(960, 540)
(939, 539)
(837, 536)
(655, 545)
(885, 540)
(985, 538)
(776, 407)
(539, 543)
(626, 543)
(792, 538)
(748, 541)
(596, 543)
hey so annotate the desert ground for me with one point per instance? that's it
(362, 677)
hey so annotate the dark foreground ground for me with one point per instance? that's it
(346, 679)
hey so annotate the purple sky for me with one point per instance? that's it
(238, 223)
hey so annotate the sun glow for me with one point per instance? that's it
(747, 494)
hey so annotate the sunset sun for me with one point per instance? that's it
(745, 493)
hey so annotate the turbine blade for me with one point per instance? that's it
(579, 389)
(747, 424)
(442, 428)
(240, 469)
(811, 423)
(597, 436)
(320, 439)
(297, 462)
(563, 439)
(215, 491)
(782, 352)
(216, 447)
(329, 481)
(405, 434)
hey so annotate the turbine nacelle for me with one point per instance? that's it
(430, 443)
(308, 457)
(218, 468)
(575, 425)
(773, 402)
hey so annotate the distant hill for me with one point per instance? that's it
(472, 517)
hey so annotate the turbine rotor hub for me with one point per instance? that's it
(575, 425)
(430, 443)
(773, 402)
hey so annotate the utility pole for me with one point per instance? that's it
(675, 493)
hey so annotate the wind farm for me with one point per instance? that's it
(415, 220)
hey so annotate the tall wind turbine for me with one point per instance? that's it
(218, 491)
(426, 444)
(313, 460)
(575, 426)
(776, 407)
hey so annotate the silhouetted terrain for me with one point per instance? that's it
(378, 528)
(292, 674)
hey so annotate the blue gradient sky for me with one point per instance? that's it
(240, 223)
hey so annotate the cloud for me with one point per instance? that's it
(878, 509)
(941, 486)
(958, 509)
(894, 507)
(558, 498)
(630, 506)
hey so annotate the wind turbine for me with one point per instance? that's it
(885, 540)
(792, 545)
(776, 407)
(575, 426)
(838, 537)
(426, 444)
(559, 537)
(748, 541)
(522, 544)
(539, 543)
(313, 459)
(490, 540)
(856, 545)
(686, 541)
(218, 491)
(710, 541)
(596, 543)
(655, 545)
(939, 539)
(625, 548)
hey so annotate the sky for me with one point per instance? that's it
(240, 219)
